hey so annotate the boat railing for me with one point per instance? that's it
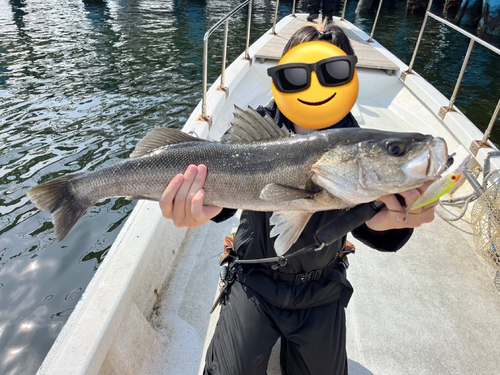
(273, 31)
(370, 40)
(443, 111)
(224, 20)
(473, 39)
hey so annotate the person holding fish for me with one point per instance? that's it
(303, 301)
(295, 166)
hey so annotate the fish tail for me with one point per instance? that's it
(56, 197)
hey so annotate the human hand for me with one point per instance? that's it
(182, 200)
(394, 215)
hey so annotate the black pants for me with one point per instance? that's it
(314, 6)
(313, 340)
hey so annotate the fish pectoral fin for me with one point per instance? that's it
(280, 193)
(287, 225)
(161, 137)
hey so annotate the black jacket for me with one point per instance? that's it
(252, 238)
(252, 241)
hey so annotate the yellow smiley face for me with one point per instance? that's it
(317, 106)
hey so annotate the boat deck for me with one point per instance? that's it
(430, 308)
(368, 56)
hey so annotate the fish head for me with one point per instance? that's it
(375, 163)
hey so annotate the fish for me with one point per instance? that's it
(257, 166)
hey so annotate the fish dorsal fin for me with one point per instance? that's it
(249, 126)
(161, 137)
(287, 225)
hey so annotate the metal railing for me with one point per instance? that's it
(206, 37)
(473, 39)
(370, 40)
(276, 14)
(225, 21)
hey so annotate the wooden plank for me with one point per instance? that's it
(368, 56)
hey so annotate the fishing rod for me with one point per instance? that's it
(327, 234)
(324, 236)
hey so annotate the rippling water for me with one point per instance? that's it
(82, 81)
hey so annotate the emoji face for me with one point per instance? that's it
(315, 84)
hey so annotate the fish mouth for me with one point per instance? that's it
(317, 103)
(438, 158)
(431, 163)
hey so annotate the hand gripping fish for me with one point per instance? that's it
(260, 167)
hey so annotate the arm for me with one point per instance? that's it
(225, 214)
(389, 241)
(182, 200)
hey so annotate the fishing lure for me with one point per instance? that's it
(435, 191)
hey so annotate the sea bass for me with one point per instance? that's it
(260, 167)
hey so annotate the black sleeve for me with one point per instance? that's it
(225, 214)
(389, 240)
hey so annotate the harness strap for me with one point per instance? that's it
(287, 290)
(306, 277)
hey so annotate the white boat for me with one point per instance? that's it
(432, 308)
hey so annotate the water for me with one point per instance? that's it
(82, 82)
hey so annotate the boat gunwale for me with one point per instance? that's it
(82, 344)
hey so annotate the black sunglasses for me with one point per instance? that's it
(296, 77)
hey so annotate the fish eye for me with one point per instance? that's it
(396, 148)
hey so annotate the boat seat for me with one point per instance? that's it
(368, 56)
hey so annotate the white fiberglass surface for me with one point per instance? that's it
(385, 103)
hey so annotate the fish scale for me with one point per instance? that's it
(242, 170)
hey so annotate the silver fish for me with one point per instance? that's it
(258, 166)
